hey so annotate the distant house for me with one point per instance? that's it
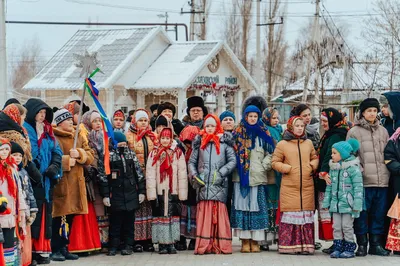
(143, 66)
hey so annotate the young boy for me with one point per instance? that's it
(344, 196)
(123, 191)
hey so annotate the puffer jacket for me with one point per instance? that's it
(296, 159)
(212, 168)
(260, 164)
(345, 193)
(373, 139)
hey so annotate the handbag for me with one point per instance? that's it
(394, 211)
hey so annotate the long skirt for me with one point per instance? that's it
(143, 220)
(251, 224)
(393, 239)
(85, 237)
(188, 221)
(165, 230)
(26, 250)
(296, 237)
(10, 246)
(325, 229)
(213, 231)
(272, 205)
(42, 245)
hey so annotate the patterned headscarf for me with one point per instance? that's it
(13, 112)
(276, 131)
(289, 132)
(6, 170)
(206, 138)
(187, 135)
(140, 133)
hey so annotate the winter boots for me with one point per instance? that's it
(245, 246)
(127, 250)
(329, 250)
(254, 247)
(348, 250)
(362, 242)
(375, 246)
(337, 249)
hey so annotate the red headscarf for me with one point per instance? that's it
(13, 112)
(188, 134)
(206, 138)
(6, 170)
(119, 113)
(290, 126)
(165, 156)
(140, 133)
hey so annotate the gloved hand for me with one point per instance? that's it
(106, 202)
(141, 198)
(51, 171)
(34, 172)
(31, 218)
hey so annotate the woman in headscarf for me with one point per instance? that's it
(212, 160)
(47, 156)
(87, 236)
(270, 117)
(254, 147)
(119, 121)
(296, 159)
(335, 130)
(142, 141)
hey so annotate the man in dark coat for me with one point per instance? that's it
(154, 111)
(196, 111)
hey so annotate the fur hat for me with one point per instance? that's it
(369, 103)
(256, 100)
(61, 115)
(154, 107)
(346, 148)
(196, 101)
(164, 106)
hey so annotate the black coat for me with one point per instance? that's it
(125, 182)
(392, 159)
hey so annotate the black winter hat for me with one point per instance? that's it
(161, 121)
(11, 101)
(368, 103)
(154, 107)
(33, 106)
(15, 147)
(196, 101)
(164, 106)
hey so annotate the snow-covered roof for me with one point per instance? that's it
(182, 62)
(117, 49)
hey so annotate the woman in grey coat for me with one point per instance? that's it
(212, 160)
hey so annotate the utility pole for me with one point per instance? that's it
(258, 50)
(166, 19)
(192, 13)
(3, 55)
(311, 47)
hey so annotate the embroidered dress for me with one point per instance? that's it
(393, 240)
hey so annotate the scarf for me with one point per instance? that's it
(143, 132)
(215, 137)
(6, 175)
(188, 134)
(289, 135)
(47, 130)
(245, 137)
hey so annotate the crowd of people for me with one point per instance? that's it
(194, 184)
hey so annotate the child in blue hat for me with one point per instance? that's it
(344, 196)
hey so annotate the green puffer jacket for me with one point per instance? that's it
(346, 193)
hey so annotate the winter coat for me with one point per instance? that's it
(388, 124)
(392, 160)
(312, 132)
(213, 168)
(69, 195)
(325, 155)
(260, 164)
(142, 148)
(345, 193)
(187, 121)
(392, 122)
(296, 160)
(9, 220)
(125, 182)
(373, 139)
(179, 176)
(27, 192)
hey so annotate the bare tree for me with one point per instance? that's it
(383, 35)
(27, 63)
(238, 27)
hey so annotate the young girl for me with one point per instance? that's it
(296, 159)
(254, 147)
(166, 182)
(188, 213)
(344, 196)
(119, 121)
(11, 189)
(212, 160)
(142, 140)
(271, 119)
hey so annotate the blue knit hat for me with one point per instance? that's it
(227, 114)
(119, 137)
(347, 148)
(252, 109)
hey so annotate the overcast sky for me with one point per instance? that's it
(51, 38)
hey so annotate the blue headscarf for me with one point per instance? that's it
(242, 134)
